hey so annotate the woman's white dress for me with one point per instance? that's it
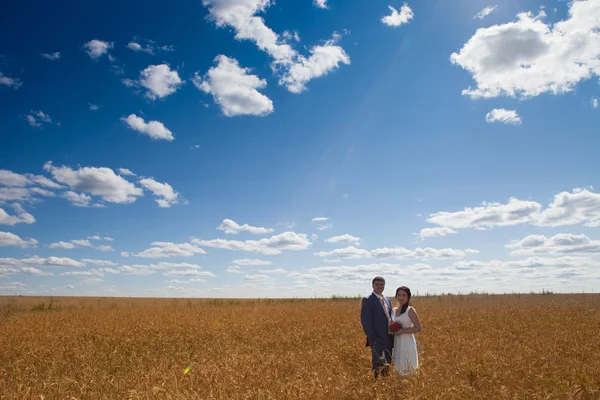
(406, 359)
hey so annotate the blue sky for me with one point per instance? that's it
(246, 148)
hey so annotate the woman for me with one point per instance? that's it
(406, 359)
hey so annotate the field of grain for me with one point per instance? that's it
(472, 346)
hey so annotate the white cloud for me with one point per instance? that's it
(594, 102)
(104, 247)
(168, 249)
(126, 172)
(139, 48)
(167, 196)
(320, 219)
(435, 232)
(52, 56)
(528, 57)
(97, 48)
(578, 207)
(48, 262)
(234, 269)
(322, 60)
(320, 3)
(563, 243)
(93, 107)
(485, 12)
(98, 262)
(398, 18)
(348, 252)
(246, 262)
(234, 89)
(344, 239)
(272, 271)
(77, 199)
(62, 245)
(10, 239)
(256, 277)
(488, 214)
(273, 245)
(322, 227)
(160, 81)
(352, 252)
(38, 118)
(96, 237)
(20, 218)
(505, 116)
(154, 129)
(232, 227)
(14, 83)
(190, 272)
(96, 181)
(294, 70)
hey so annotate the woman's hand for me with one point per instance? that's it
(400, 332)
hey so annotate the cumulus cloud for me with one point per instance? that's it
(51, 56)
(38, 118)
(98, 262)
(562, 243)
(295, 70)
(320, 219)
(160, 81)
(139, 48)
(270, 246)
(505, 116)
(344, 239)
(20, 218)
(247, 261)
(581, 206)
(42, 262)
(169, 249)
(10, 239)
(77, 199)
(14, 83)
(396, 18)
(232, 227)
(320, 3)
(154, 129)
(165, 193)
(97, 48)
(528, 57)
(435, 232)
(352, 252)
(485, 12)
(96, 181)
(126, 172)
(322, 60)
(93, 107)
(594, 102)
(234, 89)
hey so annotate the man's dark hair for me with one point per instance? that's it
(378, 278)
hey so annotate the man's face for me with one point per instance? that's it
(378, 287)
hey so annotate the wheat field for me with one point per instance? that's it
(472, 346)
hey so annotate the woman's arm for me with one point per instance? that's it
(412, 314)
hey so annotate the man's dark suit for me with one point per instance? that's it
(375, 324)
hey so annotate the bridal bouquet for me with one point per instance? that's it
(395, 326)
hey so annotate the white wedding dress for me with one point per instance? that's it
(406, 359)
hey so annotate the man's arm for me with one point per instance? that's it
(366, 319)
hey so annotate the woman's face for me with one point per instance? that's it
(402, 297)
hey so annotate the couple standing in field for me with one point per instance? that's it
(390, 330)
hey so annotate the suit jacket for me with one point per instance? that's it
(374, 320)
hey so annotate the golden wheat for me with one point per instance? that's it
(475, 346)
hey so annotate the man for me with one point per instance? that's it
(375, 317)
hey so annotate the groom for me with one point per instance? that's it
(375, 316)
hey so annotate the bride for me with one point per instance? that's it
(406, 359)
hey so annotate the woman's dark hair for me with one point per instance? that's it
(404, 306)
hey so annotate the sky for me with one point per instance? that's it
(252, 148)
